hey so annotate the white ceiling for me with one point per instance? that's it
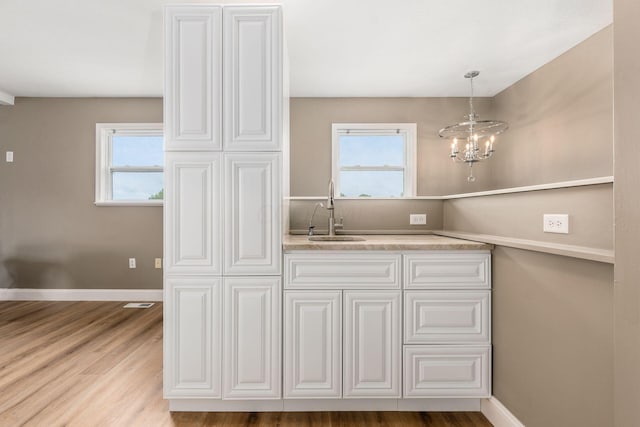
(336, 47)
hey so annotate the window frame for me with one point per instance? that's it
(409, 130)
(104, 134)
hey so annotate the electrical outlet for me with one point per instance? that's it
(132, 263)
(9, 156)
(417, 219)
(555, 223)
(158, 263)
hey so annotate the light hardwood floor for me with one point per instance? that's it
(98, 364)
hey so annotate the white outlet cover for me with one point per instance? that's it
(417, 219)
(9, 156)
(555, 223)
(132, 263)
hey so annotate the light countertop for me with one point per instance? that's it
(385, 243)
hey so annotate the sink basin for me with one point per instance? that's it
(336, 239)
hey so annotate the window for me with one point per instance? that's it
(129, 164)
(374, 159)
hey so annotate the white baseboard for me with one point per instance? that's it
(24, 294)
(498, 414)
(313, 405)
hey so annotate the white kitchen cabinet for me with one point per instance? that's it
(252, 338)
(372, 344)
(193, 213)
(252, 78)
(223, 121)
(252, 240)
(455, 317)
(192, 337)
(447, 371)
(312, 344)
(193, 78)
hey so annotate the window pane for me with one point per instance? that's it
(371, 183)
(137, 185)
(136, 150)
(371, 150)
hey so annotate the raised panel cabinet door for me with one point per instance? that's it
(252, 338)
(192, 337)
(193, 78)
(252, 78)
(440, 317)
(193, 210)
(447, 371)
(252, 214)
(372, 344)
(312, 344)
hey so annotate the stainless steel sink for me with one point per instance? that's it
(336, 239)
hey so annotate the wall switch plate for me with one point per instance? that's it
(158, 262)
(417, 219)
(132, 263)
(555, 223)
(9, 156)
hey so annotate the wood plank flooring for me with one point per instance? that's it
(98, 364)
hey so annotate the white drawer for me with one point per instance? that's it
(448, 270)
(342, 270)
(441, 317)
(447, 371)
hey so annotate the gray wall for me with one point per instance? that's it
(519, 215)
(552, 338)
(311, 120)
(553, 315)
(51, 234)
(367, 216)
(627, 212)
(560, 117)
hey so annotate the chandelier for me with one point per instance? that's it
(475, 136)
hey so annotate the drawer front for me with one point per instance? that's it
(447, 371)
(342, 271)
(441, 317)
(448, 271)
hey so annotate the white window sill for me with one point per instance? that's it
(129, 203)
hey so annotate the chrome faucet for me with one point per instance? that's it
(331, 207)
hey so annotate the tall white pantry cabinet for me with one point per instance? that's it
(223, 116)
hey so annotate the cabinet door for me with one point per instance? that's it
(252, 338)
(252, 214)
(438, 317)
(312, 350)
(192, 209)
(252, 78)
(372, 344)
(447, 371)
(193, 82)
(192, 337)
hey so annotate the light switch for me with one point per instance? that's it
(9, 156)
